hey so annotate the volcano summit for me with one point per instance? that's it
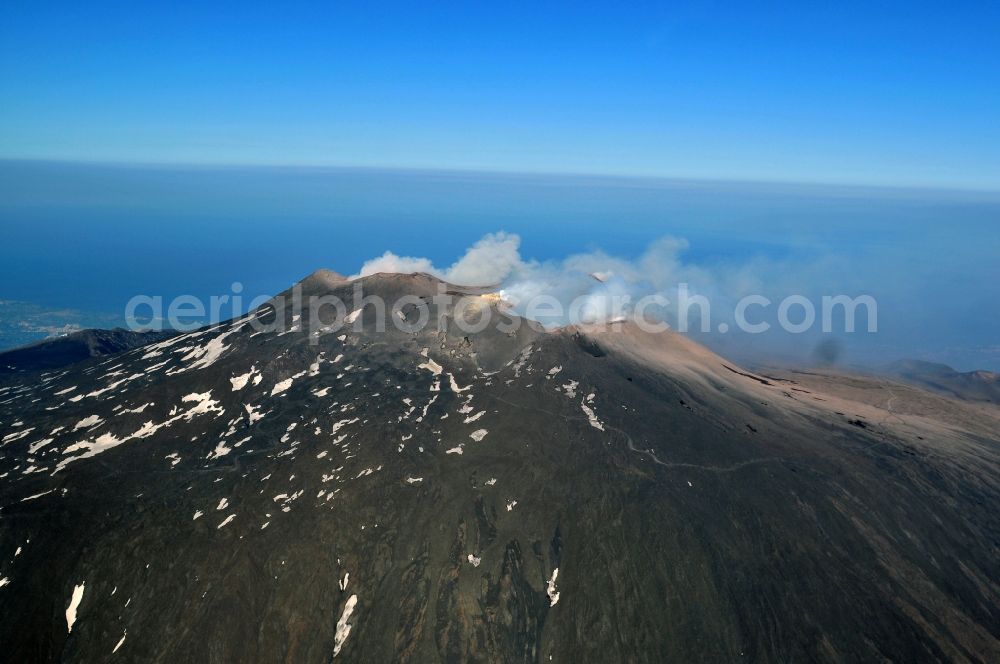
(589, 493)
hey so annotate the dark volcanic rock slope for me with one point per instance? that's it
(581, 495)
(72, 348)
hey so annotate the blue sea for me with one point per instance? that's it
(89, 237)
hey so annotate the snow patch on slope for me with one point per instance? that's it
(551, 589)
(343, 627)
(74, 604)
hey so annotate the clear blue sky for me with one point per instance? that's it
(868, 92)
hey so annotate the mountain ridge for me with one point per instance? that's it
(55, 352)
(977, 385)
(596, 493)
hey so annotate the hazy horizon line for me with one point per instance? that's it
(607, 178)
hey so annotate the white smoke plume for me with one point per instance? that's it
(599, 283)
(596, 286)
(486, 263)
(699, 297)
